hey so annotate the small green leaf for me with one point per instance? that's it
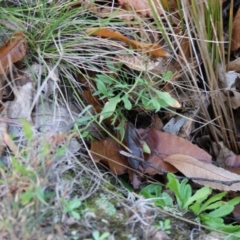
(222, 211)
(109, 107)
(127, 103)
(102, 88)
(146, 148)
(96, 235)
(234, 201)
(199, 196)
(168, 75)
(151, 190)
(76, 215)
(40, 195)
(104, 235)
(27, 129)
(168, 99)
(75, 203)
(214, 198)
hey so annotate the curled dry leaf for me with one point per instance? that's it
(13, 51)
(107, 151)
(155, 50)
(233, 161)
(163, 144)
(134, 143)
(193, 168)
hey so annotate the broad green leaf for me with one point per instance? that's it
(102, 88)
(167, 76)
(222, 211)
(151, 190)
(109, 107)
(199, 196)
(167, 199)
(214, 206)
(234, 201)
(174, 185)
(195, 207)
(75, 214)
(75, 203)
(214, 198)
(127, 103)
(168, 99)
(218, 223)
(105, 79)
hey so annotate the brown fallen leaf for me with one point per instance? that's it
(155, 50)
(233, 161)
(142, 6)
(107, 151)
(235, 43)
(13, 51)
(234, 65)
(163, 144)
(92, 100)
(193, 168)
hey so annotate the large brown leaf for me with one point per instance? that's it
(13, 51)
(163, 144)
(107, 151)
(193, 168)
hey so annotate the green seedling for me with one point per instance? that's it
(210, 210)
(71, 207)
(164, 226)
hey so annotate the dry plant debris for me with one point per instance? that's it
(141, 90)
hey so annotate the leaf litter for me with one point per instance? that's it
(53, 120)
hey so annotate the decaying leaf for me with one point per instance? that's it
(134, 178)
(233, 161)
(163, 144)
(20, 107)
(223, 154)
(193, 168)
(137, 62)
(92, 100)
(235, 44)
(141, 6)
(234, 65)
(107, 151)
(134, 143)
(155, 50)
(13, 51)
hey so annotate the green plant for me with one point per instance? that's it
(210, 210)
(71, 207)
(164, 226)
(141, 92)
(97, 236)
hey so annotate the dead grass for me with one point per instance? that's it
(53, 163)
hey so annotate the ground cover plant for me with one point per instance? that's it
(102, 103)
